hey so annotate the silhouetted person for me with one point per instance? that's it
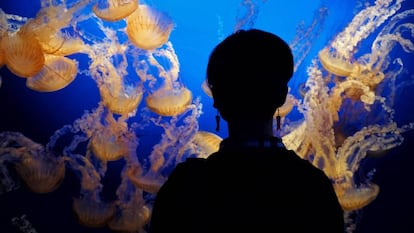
(253, 183)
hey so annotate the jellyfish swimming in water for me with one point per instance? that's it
(93, 213)
(334, 63)
(132, 213)
(24, 55)
(57, 73)
(149, 28)
(206, 143)
(39, 168)
(114, 10)
(167, 96)
(112, 139)
(119, 97)
(52, 27)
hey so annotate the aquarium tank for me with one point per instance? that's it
(101, 99)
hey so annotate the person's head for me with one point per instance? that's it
(248, 74)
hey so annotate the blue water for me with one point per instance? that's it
(199, 26)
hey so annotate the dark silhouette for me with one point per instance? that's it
(253, 183)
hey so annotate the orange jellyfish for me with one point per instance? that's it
(47, 25)
(41, 175)
(24, 55)
(114, 10)
(117, 96)
(335, 64)
(149, 182)
(169, 97)
(111, 142)
(357, 198)
(91, 212)
(169, 102)
(56, 74)
(148, 28)
(130, 219)
(207, 143)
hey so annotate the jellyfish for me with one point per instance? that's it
(130, 219)
(148, 28)
(207, 143)
(168, 96)
(107, 146)
(132, 211)
(334, 63)
(47, 28)
(53, 40)
(24, 55)
(41, 175)
(150, 182)
(56, 74)
(355, 199)
(118, 97)
(37, 167)
(112, 140)
(92, 212)
(169, 102)
(114, 10)
(89, 208)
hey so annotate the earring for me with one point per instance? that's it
(278, 120)
(218, 121)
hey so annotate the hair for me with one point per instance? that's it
(248, 74)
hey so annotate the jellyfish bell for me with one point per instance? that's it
(169, 102)
(148, 28)
(121, 100)
(149, 182)
(107, 145)
(91, 212)
(130, 219)
(57, 73)
(114, 10)
(335, 64)
(49, 38)
(356, 198)
(23, 54)
(207, 143)
(41, 175)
